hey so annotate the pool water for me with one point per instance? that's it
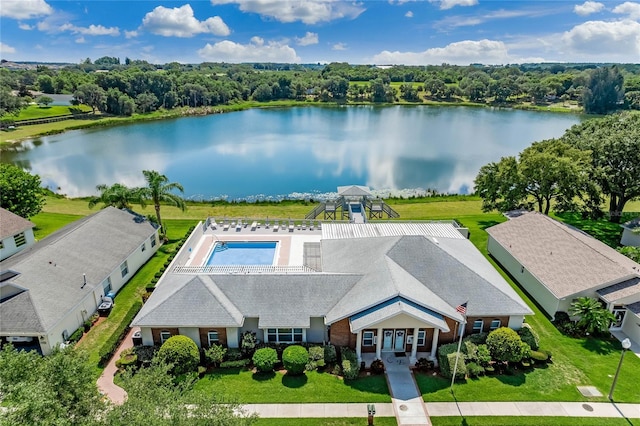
(242, 253)
(355, 208)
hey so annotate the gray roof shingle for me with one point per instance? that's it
(12, 224)
(621, 290)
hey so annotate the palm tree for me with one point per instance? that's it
(158, 190)
(116, 195)
(593, 316)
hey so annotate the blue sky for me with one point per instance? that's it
(413, 32)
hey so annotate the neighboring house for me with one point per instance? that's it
(375, 287)
(50, 289)
(557, 263)
(631, 233)
(16, 233)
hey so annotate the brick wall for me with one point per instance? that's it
(341, 335)
(204, 336)
(155, 332)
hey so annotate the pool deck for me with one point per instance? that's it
(289, 251)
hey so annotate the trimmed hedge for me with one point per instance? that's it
(529, 337)
(181, 352)
(76, 335)
(447, 359)
(350, 364)
(461, 370)
(295, 359)
(264, 359)
(111, 345)
(539, 356)
(330, 355)
(240, 363)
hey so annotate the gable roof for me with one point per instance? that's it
(621, 290)
(563, 258)
(354, 191)
(52, 269)
(12, 224)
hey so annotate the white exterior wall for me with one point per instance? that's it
(515, 322)
(629, 238)
(317, 333)
(401, 321)
(9, 244)
(134, 262)
(631, 326)
(233, 337)
(192, 333)
(543, 296)
(147, 336)
(251, 324)
(74, 319)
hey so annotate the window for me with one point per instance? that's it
(213, 337)
(106, 285)
(422, 335)
(495, 324)
(1, 245)
(618, 311)
(20, 239)
(367, 338)
(284, 335)
(144, 247)
(124, 269)
(478, 326)
(153, 240)
(164, 336)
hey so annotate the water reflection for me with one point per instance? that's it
(281, 151)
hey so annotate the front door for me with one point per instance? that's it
(399, 341)
(387, 341)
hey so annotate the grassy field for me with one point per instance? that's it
(35, 111)
(244, 386)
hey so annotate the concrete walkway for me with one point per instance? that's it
(406, 398)
(115, 393)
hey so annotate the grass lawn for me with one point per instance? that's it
(355, 421)
(531, 421)
(47, 223)
(131, 292)
(35, 111)
(246, 387)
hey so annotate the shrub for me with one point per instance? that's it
(529, 337)
(215, 354)
(377, 366)
(350, 370)
(316, 353)
(248, 343)
(76, 335)
(476, 338)
(461, 368)
(240, 363)
(127, 359)
(87, 325)
(443, 358)
(201, 371)
(475, 370)
(471, 351)
(483, 355)
(539, 356)
(424, 364)
(181, 352)
(145, 354)
(505, 345)
(233, 354)
(264, 359)
(295, 359)
(330, 355)
(548, 352)
(110, 346)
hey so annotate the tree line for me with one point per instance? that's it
(139, 87)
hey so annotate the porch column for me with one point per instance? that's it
(359, 346)
(434, 343)
(379, 344)
(414, 347)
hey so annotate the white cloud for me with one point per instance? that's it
(459, 53)
(628, 8)
(25, 27)
(5, 48)
(619, 41)
(92, 30)
(468, 21)
(80, 40)
(339, 46)
(25, 9)
(588, 7)
(307, 11)
(409, 14)
(256, 51)
(131, 34)
(309, 38)
(448, 4)
(180, 22)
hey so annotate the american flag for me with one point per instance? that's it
(462, 308)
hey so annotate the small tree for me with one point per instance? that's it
(265, 359)
(295, 359)
(181, 352)
(505, 345)
(20, 191)
(44, 100)
(215, 354)
(593, 316)
(248, 343)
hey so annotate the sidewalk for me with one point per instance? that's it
(115, 393)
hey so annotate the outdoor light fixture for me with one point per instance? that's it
(626, 344)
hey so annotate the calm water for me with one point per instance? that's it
(277, 152)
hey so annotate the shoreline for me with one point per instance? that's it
(108, 121)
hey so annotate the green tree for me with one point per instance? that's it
(44, 100)
(116, 195)
(20, 191)
(181, 353)
(295, 359)
(604, 90)
(9, 104)
(594, 318)
(614, 142)
(631, 252)
(505, 345)
(92, 95)
(498, 184)
(160, 190)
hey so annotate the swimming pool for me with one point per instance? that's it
(242, 253)
(355, 208)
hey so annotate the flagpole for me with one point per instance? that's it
(455, 366)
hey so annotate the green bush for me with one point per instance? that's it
(477, 338)
(87, 325)
(265, 359)
(215, 354)
(377, 366)
(76, 335)
(350, 370)
(505, 345)
(248, 343)
(145, 354)
(233, 354)
(127, 359)
(109, 347)
(443, 358)
(330, 355)
(529, 337)
(295, 359)
(240, 363)
(474, 370)
(316, 353)
(424, 364)
(461, 369)
(181, 352)
(548, 352)
(539, 356)
(483, 355)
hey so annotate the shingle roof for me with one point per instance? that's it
(354, 191)
(564, 259)
(52, 269)
(370, 317)
(19, 315)
(621, 290)
(12, 224)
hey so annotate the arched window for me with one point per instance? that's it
(478, 326)
(495, 324)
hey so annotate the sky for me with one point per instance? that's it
(410, 32)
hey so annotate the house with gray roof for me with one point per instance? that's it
(48, 290)
(557, 263)
(16, 233)
(631, 233)
(376, 287)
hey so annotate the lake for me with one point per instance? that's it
(292, 152)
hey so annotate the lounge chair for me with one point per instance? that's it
(291, 226)
(239, 226)
(254, 225)
(304, 224)
(310, 225)
(276, 226)
(226, 226)
(213, 224)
